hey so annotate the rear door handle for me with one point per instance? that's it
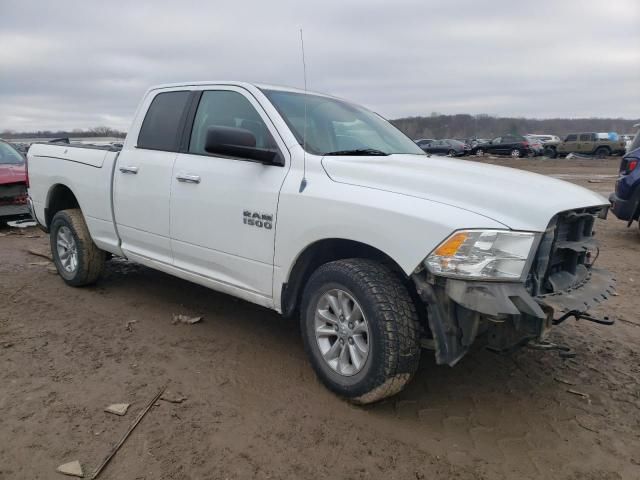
(132, 170)
(188, 178)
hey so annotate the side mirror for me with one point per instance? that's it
(238, 142)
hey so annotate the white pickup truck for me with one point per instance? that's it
(314, 206)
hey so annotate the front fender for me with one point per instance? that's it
(403, 227)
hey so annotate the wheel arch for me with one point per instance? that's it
(59, 197)
(324, 251)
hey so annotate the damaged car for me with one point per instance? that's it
(322, 210)
(13, 184)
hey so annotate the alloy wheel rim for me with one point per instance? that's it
(67, 249)
(342, 332)
(479, 152)
(515, 153)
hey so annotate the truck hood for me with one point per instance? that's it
(519, 200)
(10, 173)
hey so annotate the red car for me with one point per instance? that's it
(13, 184)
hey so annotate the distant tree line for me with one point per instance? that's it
(75, 133)
(434, 126)
(485, 126)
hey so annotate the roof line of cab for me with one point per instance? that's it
(235, 83)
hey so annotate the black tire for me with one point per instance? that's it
(90, 259)
(451, 153)
(516, 153)
(479, 152)
(550, 152)
(602, 152)
(394, 350)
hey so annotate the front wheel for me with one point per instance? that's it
(451, 153)
(360, 329)
(515, 153)
(479, 152)
(78, 260)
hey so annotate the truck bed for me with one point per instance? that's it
(87, 171)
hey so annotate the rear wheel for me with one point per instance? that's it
(602, 152)
(479, 152)
(78, 260)
(360, 329)
(550, 152)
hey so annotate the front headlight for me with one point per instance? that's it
(482, 255)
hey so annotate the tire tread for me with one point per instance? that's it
(91, 258)
(399, 318)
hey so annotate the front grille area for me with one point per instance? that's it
(566, 252)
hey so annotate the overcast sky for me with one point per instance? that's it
(66, 64)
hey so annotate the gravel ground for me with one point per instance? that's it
(253, 407)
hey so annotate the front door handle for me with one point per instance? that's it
(188, 178)
(132, 170)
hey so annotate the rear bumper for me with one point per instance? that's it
(623, 209)
(14, 211)
(459, 311)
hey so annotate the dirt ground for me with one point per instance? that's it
(253, 407)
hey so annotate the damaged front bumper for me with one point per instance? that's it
(458, 311)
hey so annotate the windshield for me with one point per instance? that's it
(9, 155)
(339, 128)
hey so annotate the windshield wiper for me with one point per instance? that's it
(359, 151)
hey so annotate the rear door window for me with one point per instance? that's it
(161, 125)
(571, 138)
(585, 137)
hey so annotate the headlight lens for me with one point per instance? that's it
(482, 255)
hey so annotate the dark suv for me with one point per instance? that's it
(625, 201)
(514, 145)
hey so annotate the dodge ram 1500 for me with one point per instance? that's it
(316, 207)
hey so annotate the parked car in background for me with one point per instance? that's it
(424, 141)
(514, 145)
(545, 139)
(446, 146)
(628, 138)
(588, 143)
(625, 201)
(466, 142)
(536, 145)
(13, 184)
